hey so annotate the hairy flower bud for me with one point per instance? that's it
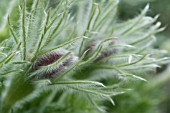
(50, 58)
(92, 46)
(109, 51)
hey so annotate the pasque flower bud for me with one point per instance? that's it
(92, 46)
(50, 58)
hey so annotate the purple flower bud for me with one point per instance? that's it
(92, 46)
(109, 51)
(50, 58)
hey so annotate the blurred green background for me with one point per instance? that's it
(150, 97)
(130, 8)
(158, 90)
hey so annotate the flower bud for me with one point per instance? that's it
(50, 58)
(92, 46)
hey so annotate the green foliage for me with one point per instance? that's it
(9, 8)
(110, 54)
